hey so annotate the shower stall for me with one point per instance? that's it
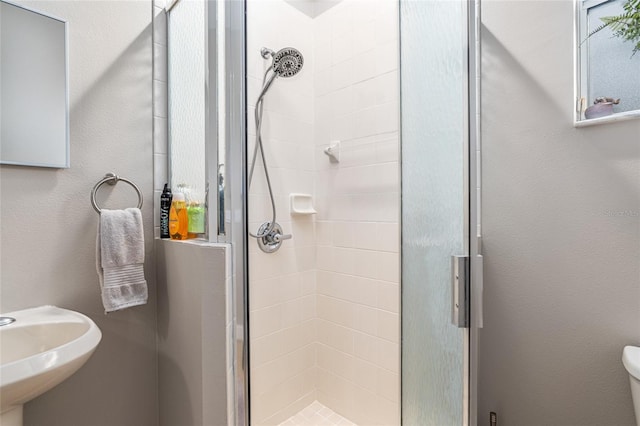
(341, 139)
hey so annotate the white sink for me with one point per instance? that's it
(43, 347)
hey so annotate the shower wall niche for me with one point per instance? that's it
(324, 309)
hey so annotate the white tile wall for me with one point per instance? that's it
(282, 289)
(160, 102)
(358, 294)
(325, 308)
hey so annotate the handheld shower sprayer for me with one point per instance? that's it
(285, 63)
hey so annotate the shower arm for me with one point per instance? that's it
(266, 52)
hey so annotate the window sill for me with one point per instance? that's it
(621, 116)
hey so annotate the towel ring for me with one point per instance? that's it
(112, 179)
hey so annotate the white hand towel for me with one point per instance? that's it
(120, 259)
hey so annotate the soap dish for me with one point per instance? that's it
(301, 204)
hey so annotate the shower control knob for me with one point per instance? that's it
(280, 237)
(270, 241)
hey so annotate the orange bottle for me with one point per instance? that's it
(178, 218)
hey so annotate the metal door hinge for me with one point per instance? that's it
(460, 291)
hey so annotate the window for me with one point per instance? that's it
(607, 67)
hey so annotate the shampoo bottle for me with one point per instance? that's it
(195, 211)
(178, 220)
(165, 206)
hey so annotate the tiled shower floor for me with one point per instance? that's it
(317, 414)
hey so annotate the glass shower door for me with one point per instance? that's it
(435, 208)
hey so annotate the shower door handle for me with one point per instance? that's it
(220, 193)
(460, 291)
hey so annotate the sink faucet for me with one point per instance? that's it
(6, 321)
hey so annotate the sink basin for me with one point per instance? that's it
(40, 349)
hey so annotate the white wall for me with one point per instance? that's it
(48, 226)
(561, 225)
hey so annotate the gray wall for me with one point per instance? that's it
(48, 226)
(561, 225)
(192, 333)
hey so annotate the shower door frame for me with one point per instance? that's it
(472, 207)
(232, 50)
(474, 52)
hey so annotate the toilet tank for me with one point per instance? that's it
(631, 361)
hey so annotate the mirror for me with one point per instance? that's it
(34, 117)
(607, 60)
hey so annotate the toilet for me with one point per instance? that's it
(631, 361)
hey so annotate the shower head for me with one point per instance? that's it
(287, 62)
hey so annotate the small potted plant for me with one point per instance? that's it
(601, 107)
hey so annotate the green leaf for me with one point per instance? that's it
(625, 26)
